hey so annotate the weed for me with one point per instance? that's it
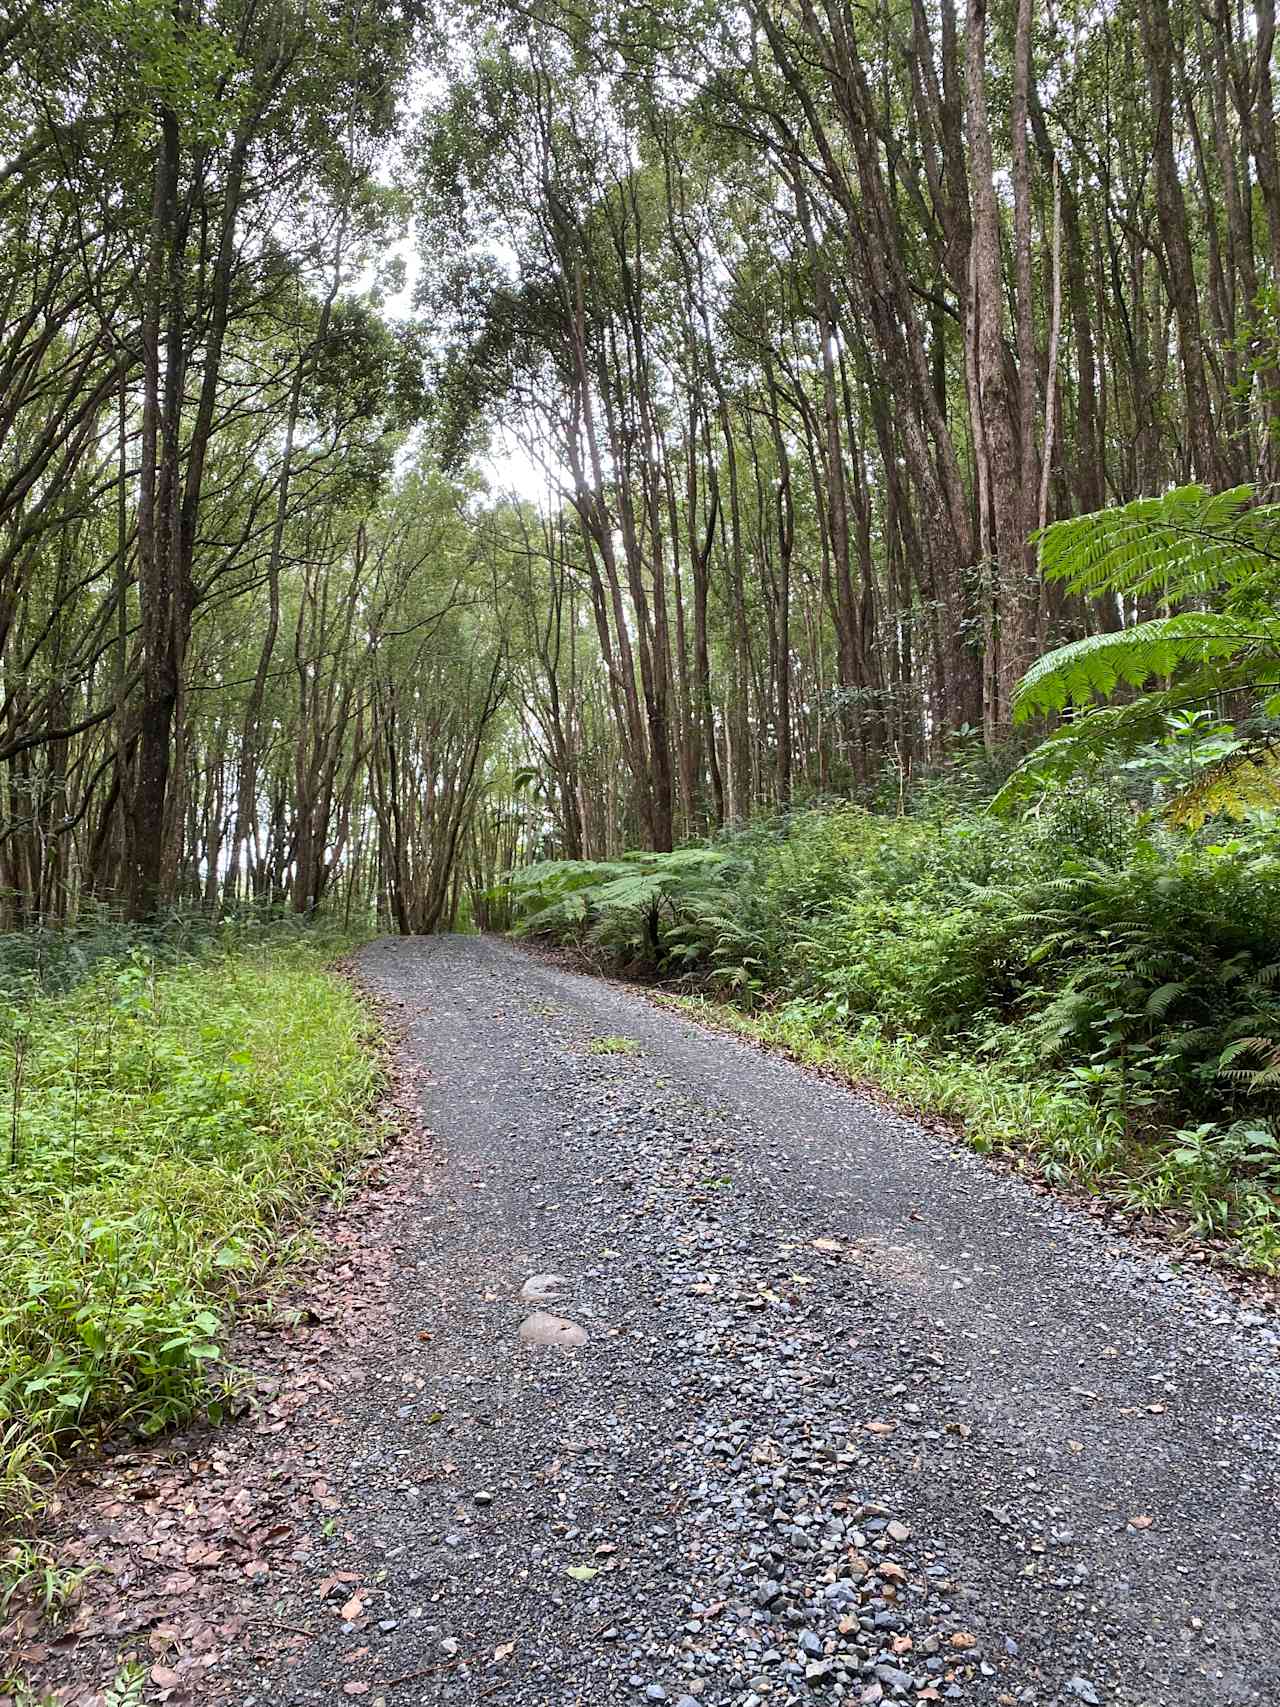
(126, 1688)
(30, 1575)
(24, 1469)
(174, 1119)
(15, 1688)
(613, 1046)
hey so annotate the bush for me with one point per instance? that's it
(648, 912)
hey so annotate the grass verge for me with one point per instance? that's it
(161, 1130)
(1061, 1131)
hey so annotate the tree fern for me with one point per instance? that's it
(1187, 544)
(1094, 667)
(636, 901)
(1220, 551)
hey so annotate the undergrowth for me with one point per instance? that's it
(161, 1128)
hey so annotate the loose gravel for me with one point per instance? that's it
(714, 1384)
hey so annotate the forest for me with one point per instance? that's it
(774, 497)
(432, 441)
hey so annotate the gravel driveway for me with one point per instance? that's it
(857, 1417)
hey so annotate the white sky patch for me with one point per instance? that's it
(512, 472)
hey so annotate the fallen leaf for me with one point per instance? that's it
(355, 1689)
(582, 1573)
(1142, 1522)
(964, 1639)
(504, 1650)
(827, 1245)
(353, 1608)
(164, 1677)
(879, 1427)
(1076, 1445)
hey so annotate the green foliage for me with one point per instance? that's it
(649, 911)
(128, 1686)
(1187, 544)
(162, 1126)
(1211, 562)
(1095, 667)
(49, 960)
(14, 1687)
(30, 1575)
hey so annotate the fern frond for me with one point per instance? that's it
(1183, 545)
(1093, 668)
(1160, 1001)
(1101, 732)
(1256, 1078)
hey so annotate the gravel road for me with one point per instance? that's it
(855, 1416)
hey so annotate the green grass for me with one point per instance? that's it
(30, 1574)
(161, 1132)
(613, 1046)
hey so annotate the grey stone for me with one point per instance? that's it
(544, 1329)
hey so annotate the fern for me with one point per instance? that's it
(644, 904)
(1217, 552)
(1187, 544)
(1095, 667)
